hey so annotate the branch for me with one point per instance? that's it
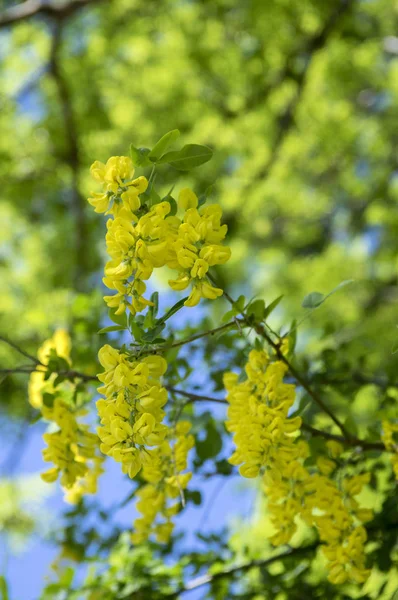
(32, 8)
(19, 349)
(353, 442)
(72, 374)
(198, 336)
(72, 154)
(262, 563)
(260, 330)
(194, 397)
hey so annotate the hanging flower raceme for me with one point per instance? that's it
(120, 190)
(72, 448)
(141, 238)
(132, 412)
(267, 442)
(163, 470)
(38, 384)
(258, 416)
(198, 247)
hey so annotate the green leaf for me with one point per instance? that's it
(4, 588)
(313, 300)
(151, 335)
(259, 344)
(139, 156)
(194, 496)
(155, 303)
(111, 328)
(256, 309)
(191, 156)
(211, 445)
(292, 337)
(154, 198)
(58, 380)
(48, 399)
(118, 319)
(161, 146)
(230, 314)
(351, 426)
(203, 197)
(223, 467)
(137, 331)
(177, 306)
(240, 303)
(305, 402)
(173, 206)
(36, 416)
(271, 307)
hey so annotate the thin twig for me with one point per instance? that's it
(72, 374)
(19, 349)
(194, 397)
(198, 336)
(199, 582)
(353, 442)
(260, 330)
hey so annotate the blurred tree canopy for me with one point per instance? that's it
(298, 100)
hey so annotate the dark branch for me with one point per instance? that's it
(19, 349)
(262, 563)
(353, 442)
(72, 153)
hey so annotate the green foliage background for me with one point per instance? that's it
(298, 99)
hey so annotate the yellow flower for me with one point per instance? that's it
(187, 199)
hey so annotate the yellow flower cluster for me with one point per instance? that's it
(38, 385)
(197, 247)
(166, 481)
(72, 447)
(133, 434)
(141, 238)
(338, 519)
(391, 445)
(267, 443)
(258, 415)
(131, 413)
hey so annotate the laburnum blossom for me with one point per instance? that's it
(268, 444)
(71, 447)
(119, 188)
(166, 481)
(132, 432)
(38, 385)
(132, 411)
(198, 247)
(142, 238)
